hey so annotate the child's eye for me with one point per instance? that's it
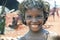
(39, 16)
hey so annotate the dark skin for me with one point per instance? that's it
(34, 19)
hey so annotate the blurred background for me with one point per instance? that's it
(14, 28)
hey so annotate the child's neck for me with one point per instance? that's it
(39, 31)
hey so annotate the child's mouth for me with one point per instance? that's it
(34, 26)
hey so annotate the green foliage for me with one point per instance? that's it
(2, 20)
(2, 24)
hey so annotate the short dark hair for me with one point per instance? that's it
(29, 4)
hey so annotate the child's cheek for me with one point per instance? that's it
(41, 21)
(28, 22)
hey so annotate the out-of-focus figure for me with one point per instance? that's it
(55, 10)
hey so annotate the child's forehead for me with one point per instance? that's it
(34, 12)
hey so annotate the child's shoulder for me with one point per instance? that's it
(45, 32)
(50, 33)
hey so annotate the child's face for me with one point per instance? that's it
(34, 19)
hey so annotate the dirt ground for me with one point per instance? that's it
(53, 24)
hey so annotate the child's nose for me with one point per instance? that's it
(34, 20)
